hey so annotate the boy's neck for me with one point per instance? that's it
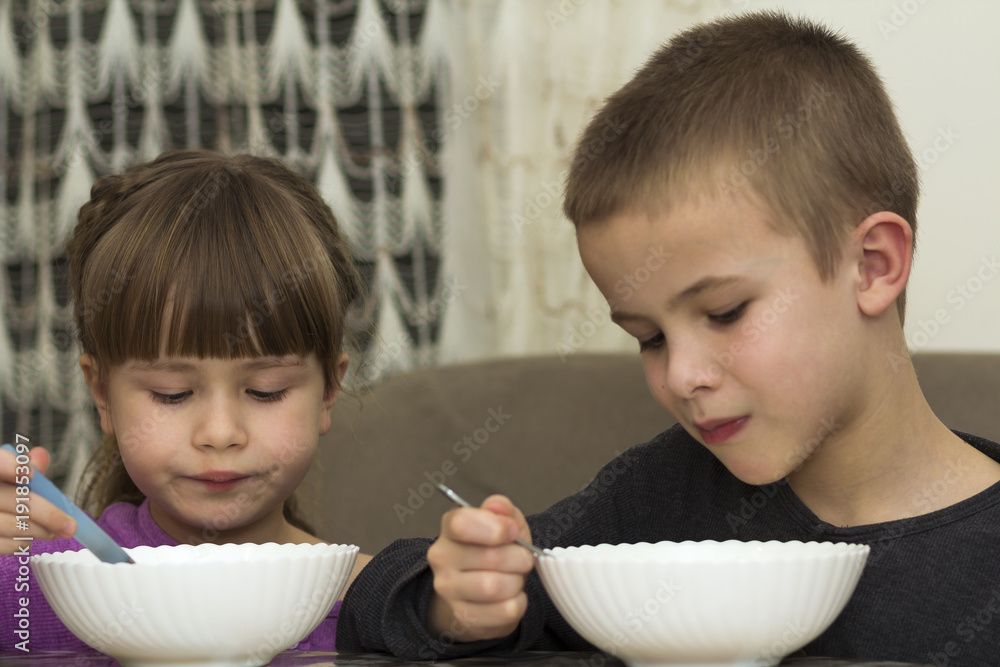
(893, 460)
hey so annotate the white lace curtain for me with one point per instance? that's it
(527, 75)
(437, 130)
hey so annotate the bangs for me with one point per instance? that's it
(230, 268)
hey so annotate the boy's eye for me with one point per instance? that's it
(169, 399)
(730, 315)
(267, 396)
(651, 343)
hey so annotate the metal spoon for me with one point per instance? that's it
(88, 533)
(458, 500)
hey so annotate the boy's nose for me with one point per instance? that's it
(690, 369)
(220, 425)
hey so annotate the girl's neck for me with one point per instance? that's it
(273, 527)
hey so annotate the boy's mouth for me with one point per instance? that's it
(718, 431)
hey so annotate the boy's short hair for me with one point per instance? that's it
(760, 103)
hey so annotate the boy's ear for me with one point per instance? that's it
(331, 394)
(883, 246)
(99, 390)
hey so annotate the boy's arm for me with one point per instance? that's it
(386, 608)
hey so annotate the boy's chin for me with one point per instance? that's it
(754, 474)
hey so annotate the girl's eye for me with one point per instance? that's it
(651, 343)
(730, 316)
(169, 399)
(267, 396)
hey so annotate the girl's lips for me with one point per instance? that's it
(220, 481)
(716, 432)
(213, 485)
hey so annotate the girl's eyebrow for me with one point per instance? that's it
(256, 364)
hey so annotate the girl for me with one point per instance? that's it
(210, 295)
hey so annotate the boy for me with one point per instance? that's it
(772, 173)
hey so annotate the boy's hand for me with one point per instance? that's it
(44, 520)
(479, 571)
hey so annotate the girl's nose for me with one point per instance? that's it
(220, 425)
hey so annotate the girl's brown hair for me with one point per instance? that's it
(239, 254)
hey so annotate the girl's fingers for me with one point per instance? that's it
(14, 469)
(31, 515)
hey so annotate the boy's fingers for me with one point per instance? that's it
(489, 621)
(480, 587)
(471, 525)
(503, 506)
(447, 556)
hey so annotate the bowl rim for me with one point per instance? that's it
(275, 552)
(694, 551)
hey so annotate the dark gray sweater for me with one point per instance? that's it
(930, 592)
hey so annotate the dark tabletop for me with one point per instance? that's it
(306, 659)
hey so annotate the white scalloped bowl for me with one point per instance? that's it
(211, 604)
(702, 603)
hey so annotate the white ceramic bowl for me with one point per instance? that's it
(229, 604)
(702, 603)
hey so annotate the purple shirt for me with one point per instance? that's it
(130, 526)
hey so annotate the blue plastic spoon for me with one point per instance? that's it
(88, 533)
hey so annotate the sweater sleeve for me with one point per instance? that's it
(385, 610)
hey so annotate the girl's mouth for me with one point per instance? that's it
(220, 480)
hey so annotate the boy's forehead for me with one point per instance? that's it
(700, 244)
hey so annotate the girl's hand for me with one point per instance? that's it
(479, 572)
(27, 515)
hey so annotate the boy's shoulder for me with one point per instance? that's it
(985, 445)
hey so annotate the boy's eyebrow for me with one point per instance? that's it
(704, 285)
(177, 366)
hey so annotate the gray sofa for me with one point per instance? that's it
(535, 429)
